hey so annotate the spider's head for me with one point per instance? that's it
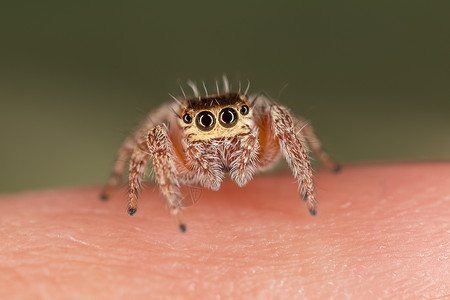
(219, 116)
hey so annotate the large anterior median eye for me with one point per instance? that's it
(228, 117)
(205, 121)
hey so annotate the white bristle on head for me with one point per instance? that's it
(226, 85)
(194, 88)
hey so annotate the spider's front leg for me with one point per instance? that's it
(295, 153)
(161, 149)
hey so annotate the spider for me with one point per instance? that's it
(198, 140)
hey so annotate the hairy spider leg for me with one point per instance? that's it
(304, 128)
(138, 164)
(123, 155)
(295, 153)
(161, 149)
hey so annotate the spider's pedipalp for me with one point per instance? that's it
(206, 166)
(245, 162)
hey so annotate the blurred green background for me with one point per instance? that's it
(76, 76)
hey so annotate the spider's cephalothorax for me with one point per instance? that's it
(220, 116)
(199, 140)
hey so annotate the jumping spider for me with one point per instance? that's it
(197, 140)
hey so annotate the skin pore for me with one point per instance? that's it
(382, 231)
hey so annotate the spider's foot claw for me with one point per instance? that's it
(106, 192)
(337, 169)
(304, 196)
(131, 211)
(313, 211)
(104, 196)
(182, 228)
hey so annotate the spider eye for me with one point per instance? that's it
(187, 118)
(228, 117)
(244, 110)
(205, 121)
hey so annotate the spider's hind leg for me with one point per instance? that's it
(307, 130)
(119, 166)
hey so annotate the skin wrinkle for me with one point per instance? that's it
(256, 240)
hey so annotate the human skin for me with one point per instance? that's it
(382, 231)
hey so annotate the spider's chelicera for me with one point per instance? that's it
(211, 136)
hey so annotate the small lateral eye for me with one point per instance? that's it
(187, 118)
(244, 110)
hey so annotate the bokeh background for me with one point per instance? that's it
(76, 76)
